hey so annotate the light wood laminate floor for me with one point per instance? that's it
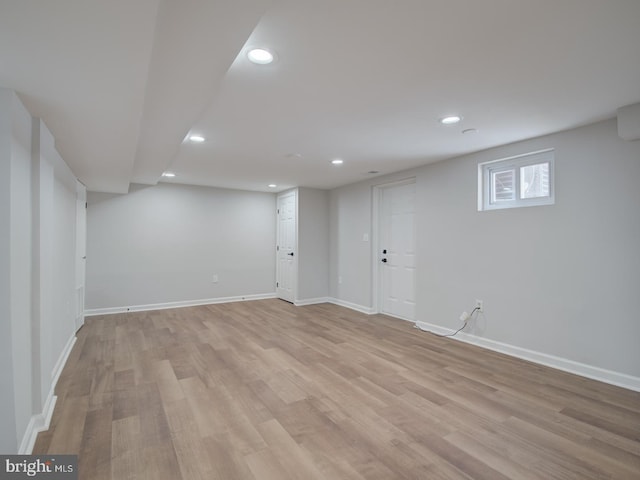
(267, 391)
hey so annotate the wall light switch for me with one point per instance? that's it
(365, 237)
(214, 279)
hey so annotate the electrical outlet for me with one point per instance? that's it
(214, 279)
(480, 305)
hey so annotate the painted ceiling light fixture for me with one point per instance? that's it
(260, 56)
(337, 161)
(196, 138)
(168, 174)
(450, 119)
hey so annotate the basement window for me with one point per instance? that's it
(521, 181)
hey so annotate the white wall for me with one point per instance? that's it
(313, 244)
(21, 285)
(8, 441)
(64, 293)
(15, 258)
(163, 244)
(35, 340)
(558, 280)
(54, 226)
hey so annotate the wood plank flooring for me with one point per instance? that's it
(264, 390)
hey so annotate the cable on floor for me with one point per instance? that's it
(461, 328)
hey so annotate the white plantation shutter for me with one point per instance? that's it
(503, 186)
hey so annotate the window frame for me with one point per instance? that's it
(486, 171)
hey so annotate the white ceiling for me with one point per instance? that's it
(120, 83)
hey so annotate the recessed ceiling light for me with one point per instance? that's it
(470, 130)
(337, 161)
(196, 138)
(261, 56)
(272, 185)
(450, 119)
(169, 174)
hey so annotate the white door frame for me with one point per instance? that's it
(376, 254)
(294, 279)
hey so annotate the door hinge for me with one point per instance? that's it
(277, 284)
(278, 210)
(86, 204)
(277, 248)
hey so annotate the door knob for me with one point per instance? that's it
(290, 254)
(384, 251)
(384, 260)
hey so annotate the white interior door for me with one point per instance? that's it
(397, 251)
(286, 261)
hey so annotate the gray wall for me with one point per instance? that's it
(163, 244)
(21, 285)
(313, 244)
(350, 261)
(33, 335)
(7, 403)
(15, 286)
(561, 280)
(64, 228)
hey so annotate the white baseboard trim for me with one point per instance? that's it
(352, 306)
(399, 317)
(62, 360)
(186, 303)
(41, 421)
(607, 376)
(38, 423)
(311, 301)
